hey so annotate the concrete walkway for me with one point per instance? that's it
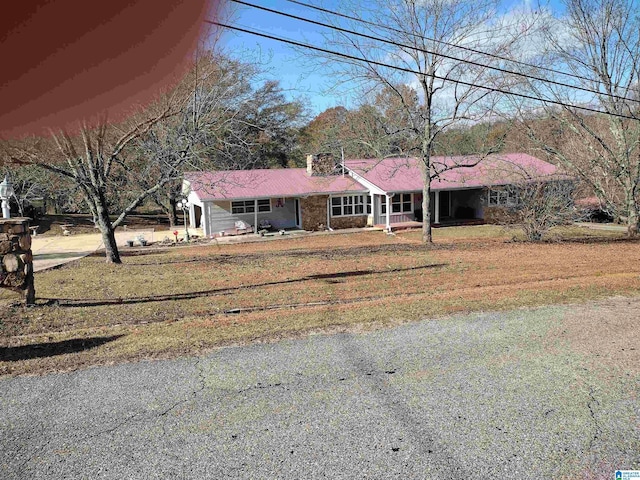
(51, 251)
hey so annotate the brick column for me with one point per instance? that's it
(16, 259)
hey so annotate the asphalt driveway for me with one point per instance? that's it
(497, 395)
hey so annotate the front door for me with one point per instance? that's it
(445, 204)
(380, 209)
(296, 207)
(197, 221)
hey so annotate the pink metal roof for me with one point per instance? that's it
(282, 182)
(403, 174)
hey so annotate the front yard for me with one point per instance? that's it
(166, 303)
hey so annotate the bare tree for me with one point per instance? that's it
(29, 185)
(598, 43)
(539, 205)
(215, 117)
(232, 120)
(435, 84)
(101, 163)
(213, 90)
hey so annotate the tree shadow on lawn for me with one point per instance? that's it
(328, 253)
(51, 349)
(587, 239)
(329, 277)
(136, 252)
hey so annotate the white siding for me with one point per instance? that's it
(217, 216)
(220, 217)
(278, 217)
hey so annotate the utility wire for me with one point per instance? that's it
(408, 70)
(443, 55)
(469, 49)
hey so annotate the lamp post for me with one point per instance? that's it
(184, 205)
(6, 190)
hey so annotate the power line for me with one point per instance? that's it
(443, 55)
(408, 70)
(469, 49)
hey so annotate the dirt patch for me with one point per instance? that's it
(607, 331)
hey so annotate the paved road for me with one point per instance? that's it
(476, 397)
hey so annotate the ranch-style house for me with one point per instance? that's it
(357, 193)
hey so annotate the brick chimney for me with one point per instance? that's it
(321, 164)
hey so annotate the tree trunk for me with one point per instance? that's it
(30, 289)
(172, 212)
(426, 205)
(112, 255)
(426, 180)
(632, 216)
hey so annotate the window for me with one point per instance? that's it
(243, 206)
(401, 203)
(336, 206)
(347, 205)
(368, 204)
(249, 206)
(503, 197)
(264, 205)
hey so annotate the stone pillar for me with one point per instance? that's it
(16, 259)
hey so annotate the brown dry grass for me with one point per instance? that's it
(611, 341)
(169, 303)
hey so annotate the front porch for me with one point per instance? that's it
(448, 208)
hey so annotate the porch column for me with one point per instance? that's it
(437, 206)
(204, 220)
(388, 212)
(192, 215)
(255, 215)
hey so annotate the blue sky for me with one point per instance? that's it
(281, 61)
